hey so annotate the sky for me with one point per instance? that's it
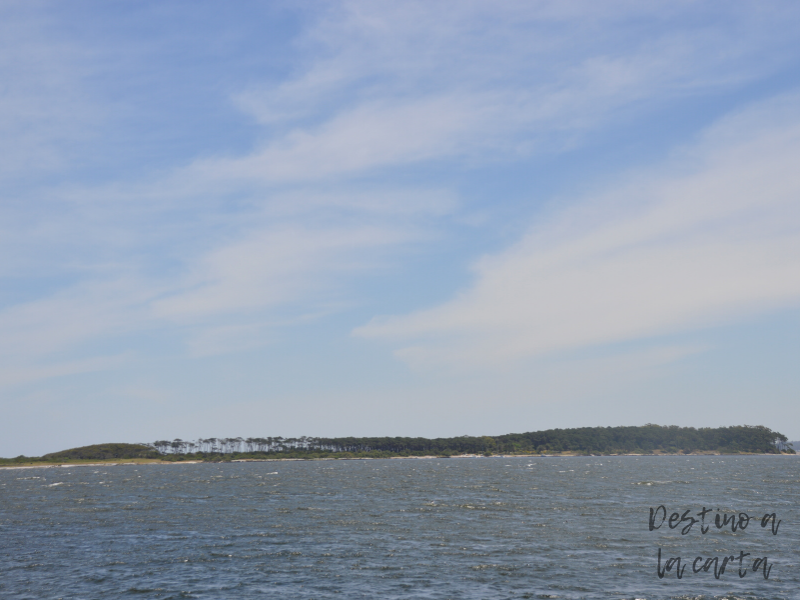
(396, 218)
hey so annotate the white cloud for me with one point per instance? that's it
(272, 267)
(378, 86)
(57, 335)
(713, 236)
(221, 304)
(72, 316)
(375, 135)
(44, 109)
(17, 374)
(398, 84)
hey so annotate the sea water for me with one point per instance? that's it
(461, 528)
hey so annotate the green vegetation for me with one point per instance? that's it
(647, 439)
(105, 451)
(89, 453)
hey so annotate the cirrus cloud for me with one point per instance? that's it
(713, 236)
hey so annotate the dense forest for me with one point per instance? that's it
(647, 439)
(94, 452)
(105, 451)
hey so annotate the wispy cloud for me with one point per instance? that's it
(714, 235)
(228, 243)
(416, 82)
(272, 267)
(44, 108)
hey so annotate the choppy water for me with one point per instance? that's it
(459, 528)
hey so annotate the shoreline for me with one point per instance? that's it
(144, 462)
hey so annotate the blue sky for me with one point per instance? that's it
(367, 218)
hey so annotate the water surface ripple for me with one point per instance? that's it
(545, 527)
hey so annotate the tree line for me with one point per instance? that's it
(599, 440)
(646, 439)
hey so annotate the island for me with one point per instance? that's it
(649, 439)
